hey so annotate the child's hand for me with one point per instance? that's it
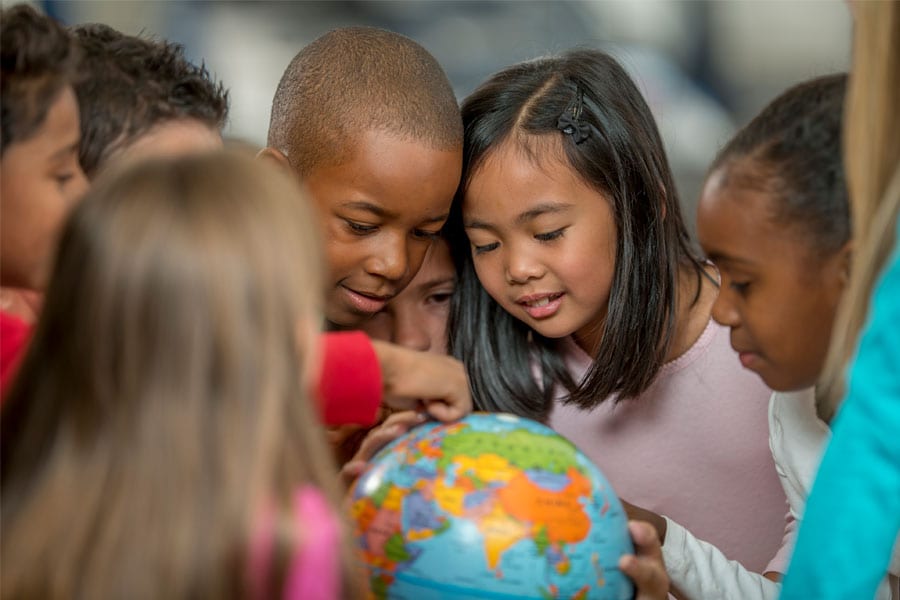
(412, 379)
(645, 566)
(378, 437)
(636, 513)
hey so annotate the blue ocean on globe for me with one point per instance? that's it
(491, 506)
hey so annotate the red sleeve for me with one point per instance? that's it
(14, 335)
(350, 387)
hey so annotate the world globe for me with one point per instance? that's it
(491, 506)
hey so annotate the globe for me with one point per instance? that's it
(491, 506)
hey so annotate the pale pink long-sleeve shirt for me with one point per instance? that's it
(693, 447)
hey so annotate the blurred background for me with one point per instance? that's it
(706, 67)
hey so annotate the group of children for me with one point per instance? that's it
(161, 434)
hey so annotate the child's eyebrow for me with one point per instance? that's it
(532, 213)
(376, 210)
(541, 209)
(474, 224)
(719, 257)
(437, 281)
(383, 213)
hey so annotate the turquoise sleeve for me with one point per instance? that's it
(852, 515)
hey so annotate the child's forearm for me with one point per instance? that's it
(358, 374)
(698, 570)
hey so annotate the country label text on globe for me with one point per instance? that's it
(493, 506)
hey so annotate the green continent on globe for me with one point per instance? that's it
(522, 448)
(529, 495)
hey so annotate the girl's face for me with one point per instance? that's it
(543, 243)
(417, 317)
(778, 293)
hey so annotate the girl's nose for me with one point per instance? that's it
(521, 268)
(723, 309)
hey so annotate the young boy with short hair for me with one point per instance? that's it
(141, 97)
(368, 120)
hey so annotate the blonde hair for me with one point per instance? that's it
(872, 158)
(164, 404)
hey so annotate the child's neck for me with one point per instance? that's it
(694, 309)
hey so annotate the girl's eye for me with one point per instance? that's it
(439, 298)
(550, 235)
(63, 178)
(426, 235)
(485, 248)
(359, 228)
(740, 287)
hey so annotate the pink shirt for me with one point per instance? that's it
(314, 571)
(693, 447)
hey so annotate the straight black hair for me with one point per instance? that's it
(585, 99)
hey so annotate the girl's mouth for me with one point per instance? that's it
(541, 306)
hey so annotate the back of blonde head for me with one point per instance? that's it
(164, 399)
(872, 158)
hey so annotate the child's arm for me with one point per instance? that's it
(412, 379)
(698, 569)
(358, 374)
(350, 381)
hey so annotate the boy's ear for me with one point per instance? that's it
(275, 156)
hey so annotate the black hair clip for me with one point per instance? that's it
(569, 122)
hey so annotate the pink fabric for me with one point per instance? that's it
(314, 572)
(694, 447)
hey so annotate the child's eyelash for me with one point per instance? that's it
(485, 248)
(740, 286)
(427, 235)
(359, 228)
(550, 235)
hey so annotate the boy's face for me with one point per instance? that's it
(380, 212)
(778, 295)
(40, 180)
(417, 317)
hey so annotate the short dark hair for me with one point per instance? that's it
(39, 59)
(793, 150)
(611, 141)
(355, 79)
(132, 84)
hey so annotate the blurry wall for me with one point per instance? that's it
(705, 67)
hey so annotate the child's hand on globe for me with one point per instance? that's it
(378, 437)
(413, 379)
(645, 566)
(636, 513)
